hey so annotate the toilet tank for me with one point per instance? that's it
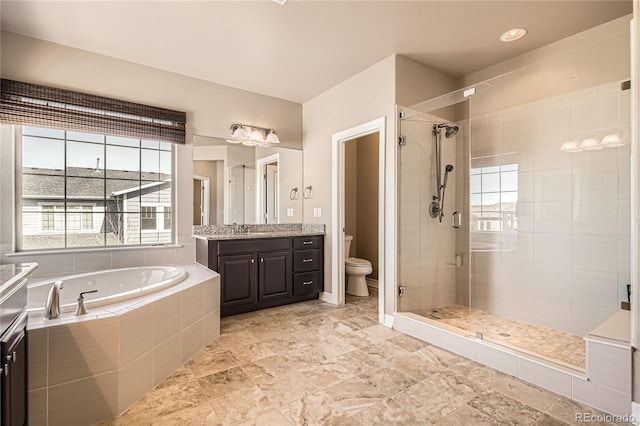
(347, 244)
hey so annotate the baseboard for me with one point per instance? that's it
(327, 297)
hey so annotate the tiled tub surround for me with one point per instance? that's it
(231, 232)
(83, 370)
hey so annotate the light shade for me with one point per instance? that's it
(611, 141)
(272, 137)
(239, 133)
(249, 142)
(257, 135)
(590, 144)
(571, 146)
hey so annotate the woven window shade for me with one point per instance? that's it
(35, 105)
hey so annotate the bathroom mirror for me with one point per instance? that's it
(233, 183)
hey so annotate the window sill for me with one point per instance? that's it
(91, 250)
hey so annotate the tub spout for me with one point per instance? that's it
(52, 308)
(81, 310)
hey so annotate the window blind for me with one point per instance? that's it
(32, 104)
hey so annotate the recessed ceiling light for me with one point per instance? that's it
(513, 35)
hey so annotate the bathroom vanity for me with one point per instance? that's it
(13, 343)
(261, 270)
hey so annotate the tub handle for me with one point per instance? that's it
(80, 310)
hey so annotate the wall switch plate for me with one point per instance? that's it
(319, 212)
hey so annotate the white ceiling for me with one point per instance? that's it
(303, 48)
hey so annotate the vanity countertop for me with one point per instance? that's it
(10, 275)
(256, 235)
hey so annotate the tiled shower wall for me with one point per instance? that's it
(427, 247)
(567, 265)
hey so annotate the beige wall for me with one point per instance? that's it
(361, 198)
(351, 192)
(366, 96)
(290, 174)
(635, 277)
(367, 201)
(209, 169)
(210, 108)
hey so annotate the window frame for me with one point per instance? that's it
(18, 204)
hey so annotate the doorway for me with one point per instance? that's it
(268, 184)
(201, 202)
(384, 223)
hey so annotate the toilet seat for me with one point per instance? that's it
(354, 261)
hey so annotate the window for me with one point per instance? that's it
(90, 190)
(494, 195)
(148, 218)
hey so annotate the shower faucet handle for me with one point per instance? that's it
(81, 310)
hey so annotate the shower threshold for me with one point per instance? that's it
(553, 345)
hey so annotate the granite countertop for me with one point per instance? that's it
(255, 235)
(10, 275)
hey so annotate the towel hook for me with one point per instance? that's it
(294, 193)
(307, 192)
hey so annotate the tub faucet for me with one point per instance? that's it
(80, 310)
(52, 308)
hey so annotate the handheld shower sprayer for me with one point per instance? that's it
(436, 208)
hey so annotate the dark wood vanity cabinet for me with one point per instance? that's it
(262, 273)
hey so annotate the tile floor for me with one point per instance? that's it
(313, 363)
(564, 348)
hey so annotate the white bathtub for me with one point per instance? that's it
(121, 350)
(114, 286)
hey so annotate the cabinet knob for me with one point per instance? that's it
(6, 370)
(262, 260)
(14, 356)
(253, 261)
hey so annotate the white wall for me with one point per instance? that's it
(635, 161)
(210, 108)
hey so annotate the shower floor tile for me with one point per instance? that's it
(558, 346)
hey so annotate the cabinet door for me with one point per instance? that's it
(18, 382)
(274, 278)
(238, 279)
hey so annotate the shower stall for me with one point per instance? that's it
(514, 207)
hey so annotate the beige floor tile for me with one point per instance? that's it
(313, 363)
(241, 406)
(388, 412)
(524, 392)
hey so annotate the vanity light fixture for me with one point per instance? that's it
(570, 146)
(611, 141)
(252, 135)
(590, 144)
(513, 35)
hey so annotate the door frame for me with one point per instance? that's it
(205, 189)
(261, 164)
(337, 211)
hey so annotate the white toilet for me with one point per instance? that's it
(357, 270)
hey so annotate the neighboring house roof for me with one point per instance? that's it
(83, 183)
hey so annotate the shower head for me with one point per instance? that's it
(450, 130)
(448, 168)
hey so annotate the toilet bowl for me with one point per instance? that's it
(356, 270)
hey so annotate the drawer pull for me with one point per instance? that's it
(307, 282)
(307, 260)
(307, 242)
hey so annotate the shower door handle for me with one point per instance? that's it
(456, 220)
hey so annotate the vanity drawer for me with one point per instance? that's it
(307, 242)
(306, 260)
(306, 283)
(258, 245)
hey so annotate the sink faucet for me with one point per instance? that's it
(52, 308)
